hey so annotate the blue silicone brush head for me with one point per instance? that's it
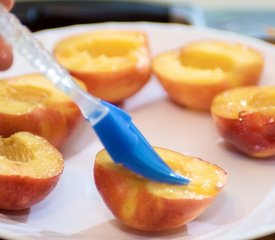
(126, 145)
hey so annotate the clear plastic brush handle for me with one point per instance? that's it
(31, 49)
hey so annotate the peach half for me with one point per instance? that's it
(146, 205)
(194, 74)
(32, 103)
(30, 168)
(113, 64)
(245, 118)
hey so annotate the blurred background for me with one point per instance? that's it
(254, 18)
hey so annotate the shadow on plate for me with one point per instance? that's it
(218, 214)
(18, 215)
(113, 229)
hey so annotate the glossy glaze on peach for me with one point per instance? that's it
(245, 117)
(151, 206)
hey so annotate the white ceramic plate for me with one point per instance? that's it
(244, 209)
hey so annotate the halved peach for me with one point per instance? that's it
(194, 74)
(32, 103)
(30, 168)
(245, 118)
(146, 205)
(114, 64)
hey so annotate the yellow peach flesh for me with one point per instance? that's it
(243, 100)
(170, 66)
(205, 62)
(205, 178)
(213, 54)
(101, 51)
(19, 96)
(24, 154)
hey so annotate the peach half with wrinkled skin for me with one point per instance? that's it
(113, 64)
(245, 118)
(151, 206)
(30, 168)
(193, 74)
(32, 103)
